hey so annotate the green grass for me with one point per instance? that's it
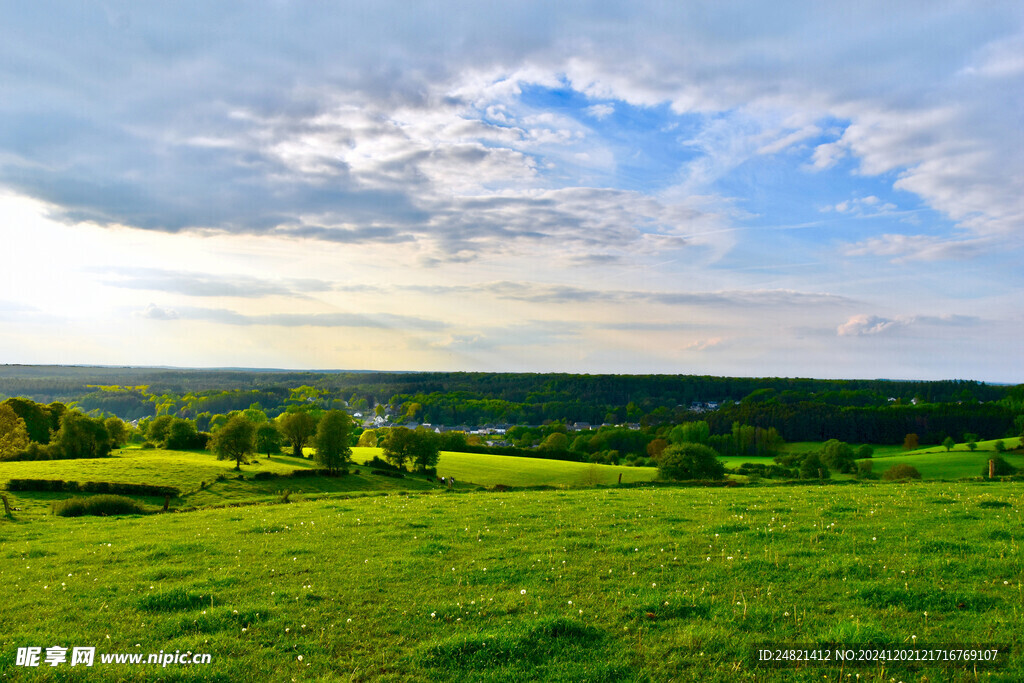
(190, 470)
(933, 462)
(606, 584)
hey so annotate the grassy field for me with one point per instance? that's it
(576, 585)
(934, 462)
(206, 481)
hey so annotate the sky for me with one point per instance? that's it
(797, 189)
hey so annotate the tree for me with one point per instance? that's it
(254, 413)
(690, 432)
(333, 435)
(556, 441)
(948, 443)
(181, 434)
(655, 448)
(902, 471)
(116, 430)
(690, 461)
(13, 433)
(813, 468)
(268, 439)
(864, 451)
(368, 439)
(158, 428)
(972, 446)
(397, 445)
(999, 446)
(297, 427)
(236, 440)
(81, 436)
(838, 456)
(426, 450)
(37, 417)
(910, 442)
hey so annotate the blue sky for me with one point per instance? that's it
(794, 189)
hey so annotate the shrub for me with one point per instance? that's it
(261, 476)
(864, 470)
(1002, 468)
(690, 461)
(902, 471)
(813, 468)
(102, 505)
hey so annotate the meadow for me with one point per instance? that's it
(372, 578)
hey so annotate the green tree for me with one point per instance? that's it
(368, 439)
(158, 429)
(268, 439)
(838, 456)
(333, 436)
(690, 432)
(236, 440)
(81, 436)
(298, 427)
(181, 434)
(556, 441)
(972, 446)
(864, 451)
(690, 461)
(37, 417)
(426, 449)
(901, 471)
(397, 445)
(13, 433)
(254, 413)
(813, 468)
(999, 446)
(116, 430)
(948, 443)
(910, 442)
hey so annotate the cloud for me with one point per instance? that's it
(389, 129)
(869, 325)
(541, 293)
(601, 111)
(204, 285)
(906, 248)
(154, 312)
(229, 317)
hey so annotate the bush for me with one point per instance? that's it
(864, 470)
(903, 471)
(98, 505)
(690, 461)
(813, 468)
(1002, 468)
(126, 489)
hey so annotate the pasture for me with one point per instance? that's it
(582, 585)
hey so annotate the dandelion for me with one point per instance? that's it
(349, 621)
(433, 615)
(522, 592)
(300, 658)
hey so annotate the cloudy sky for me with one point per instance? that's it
(786, 188)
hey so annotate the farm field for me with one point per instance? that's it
(189, 471)
(598, 584)
(933, 462)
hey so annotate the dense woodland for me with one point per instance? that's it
(622, 415)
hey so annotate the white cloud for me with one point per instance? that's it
(905, 248)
